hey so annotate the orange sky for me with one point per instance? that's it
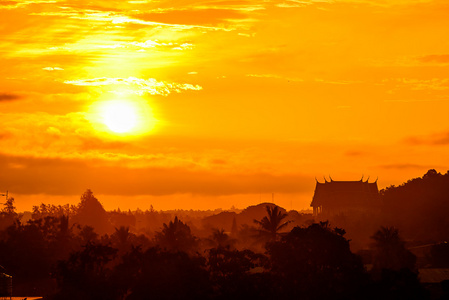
(235, 100)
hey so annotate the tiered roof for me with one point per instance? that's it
(336, 194)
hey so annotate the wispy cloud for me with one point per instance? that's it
(18, 4)
(296, 79)
(440, 59)
(167, 6)
(420, 84)
(120, 18)
(58, 178)
(52, 69)
(139, 86)
(8, 97)
(147, 44)
(276, 77)
(438, 139)
(405, 166)
(300, 3)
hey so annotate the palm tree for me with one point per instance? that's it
(389, 250)
(122, 234)
(271, 224)
(176, 236)
(387, 236)
(220, 239)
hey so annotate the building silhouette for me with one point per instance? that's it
(343, 197)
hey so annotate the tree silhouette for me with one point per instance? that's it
(86, 275)
(121, 238)
(90, 212)
(315, 263)
(8, 214)
(272, 223)
(9, 208)
(234, 276)
(87, 234)
(220, 239)
(176, 236)
(419, 207)
(161, 274)
(122, 234)
(390, 252)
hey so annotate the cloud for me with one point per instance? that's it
(403, 166)
(18, 4)
(208, 6)
(52, 69)
(275, 76)
(211, 16)
(439, 139)
(443, 59)
(295, 79)
(301, 3)
(121, 18)
(70, 177)
(146, 45)
(138, 86)
(8, 97)
(355, 153)
(420, 84)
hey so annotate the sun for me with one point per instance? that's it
(120, 116)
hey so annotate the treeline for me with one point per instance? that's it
(84, 252)
(48, 256)
(419, 207)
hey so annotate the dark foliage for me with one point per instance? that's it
(161, 274)
(419, 207)
(316, 263)
(439, 255)
(176, 236)
(397, 285)
(389, 251)
(85, 274)
(238, 274)
(55, 257)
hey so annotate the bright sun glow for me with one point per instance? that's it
(120, 116)
(124, 117)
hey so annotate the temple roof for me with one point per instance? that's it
(345, 193)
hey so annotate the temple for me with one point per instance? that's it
(340, 197)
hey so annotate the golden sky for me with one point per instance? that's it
(219, 103)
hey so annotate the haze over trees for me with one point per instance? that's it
(263, 252)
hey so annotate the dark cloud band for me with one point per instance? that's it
(8, 97)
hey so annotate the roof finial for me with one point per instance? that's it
(362, 177)
(376, 179)
(316, 180)
(325, 180)
(331, 178)
(367, 179)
